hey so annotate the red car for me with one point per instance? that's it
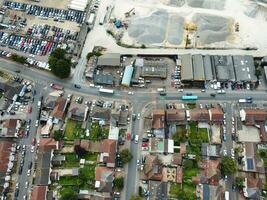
(29, 109)
(129, 136)
(144, 144)
(33, 141)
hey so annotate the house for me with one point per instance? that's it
(176, 159)
(212, 192)
(57, 160)
(210, 170)
(104, 177)
(251, 116)
(152, 168)
(199, 115)
(78, 111)
(120, 118)
(252, 187)
(216, 115)
(252, 161)
(59, 109)
(39, 193)
(158, 190)
(179, 174)
(175, 117)
(101, 114)
(5, 152)
(48, 144)
(210, 151)
(108, 151)
(158, 119)
(8, 128)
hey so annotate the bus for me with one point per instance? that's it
(106, 91)
(192, 97)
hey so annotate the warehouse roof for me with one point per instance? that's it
(224, 67)
(244, 68)
(198, 67)
(154, 68)
(109, 59)
(103, 79)
(186, 67)
(207, 67)
(127, 76)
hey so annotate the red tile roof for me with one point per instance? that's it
(98, 172)
(216, 114)
(175, 116)
(48, 144)
(59, 108)
(255, 115)
(179, 174)
(39, 193)
(109, 146)
(158, 118)
(199, 115)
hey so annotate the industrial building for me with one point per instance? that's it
(103, 79)
(244, 68)
(208, 68)
(224, 68)
(186, 68)
(109, 60)
(198, 68)
(79, 5)
(154, 69)
(127, 76)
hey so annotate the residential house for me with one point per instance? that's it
(176, 159)
(252, 161)
(158, 122)
(120, 118)
(253, 116)
(39, 193)
(175, 117)
(101, 114)
(108, 151)
(211, 192)
(78, 111)
(9, 128)
(216, 115)
(210, 151)
(60, 108)
(252, 187)
(5, 152)
(158, 190)
(152, 168)
(179, 174)
(104, 177)
(210, 171)
(199, 115)
(44, 158)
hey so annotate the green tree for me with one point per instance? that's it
(135, 197)
(188, 164)
(228, 165)
(126, 156)
(59, 64)
(58, 135)
(119, 183)
(239, 182)
(68, 194)
(257, 72)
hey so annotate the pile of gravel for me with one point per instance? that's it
(153, 29)
(209, 4)
(211, 28)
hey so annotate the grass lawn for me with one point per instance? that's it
(97, 132)
(203, 133)
(175, 189)
(180, 135)
(186, 192)
(73, 130)
(90, 156)
(87, 176)
(191, 105)
(71, 160)
(69, 180)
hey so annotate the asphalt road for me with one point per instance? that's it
(138, 100)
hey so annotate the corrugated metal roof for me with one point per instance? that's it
(109, 59)
(244, 68)
(127, 76)
(224, 68)
(198, 67)
(186, 67)
(207, 67)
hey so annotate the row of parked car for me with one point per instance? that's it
(59, 34)
(45, 13)
(27, 44)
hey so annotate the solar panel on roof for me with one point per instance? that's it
(250, 164)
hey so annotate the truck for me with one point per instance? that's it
(102, 19)
(56, 86)
(226, 195)
(106, 91)
(91, 19)
(246, 100)
(39, 104)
